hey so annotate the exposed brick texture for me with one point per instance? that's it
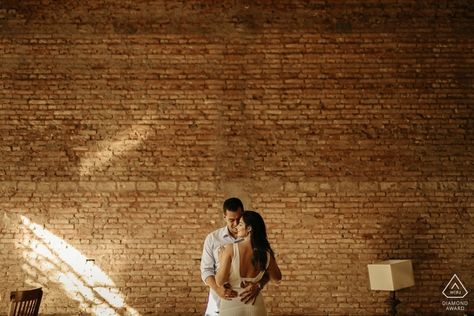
(124, 124)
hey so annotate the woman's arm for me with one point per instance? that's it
(273, 270)
(225, 260)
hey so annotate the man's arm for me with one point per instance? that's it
(208, 263)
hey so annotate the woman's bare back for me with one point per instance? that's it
(247, 269)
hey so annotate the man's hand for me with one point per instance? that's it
(225, 292)
(250, 292)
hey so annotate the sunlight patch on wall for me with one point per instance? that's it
(50, 258)
(107, 150)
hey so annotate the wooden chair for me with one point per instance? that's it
(25, 303)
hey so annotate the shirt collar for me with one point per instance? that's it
(225, 233)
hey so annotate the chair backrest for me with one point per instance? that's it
(25, 303)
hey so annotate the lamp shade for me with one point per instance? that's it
(391, 275)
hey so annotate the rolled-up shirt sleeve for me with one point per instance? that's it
(208, 263)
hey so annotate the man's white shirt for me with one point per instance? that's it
(209, 263)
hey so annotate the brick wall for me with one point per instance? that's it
(125, 124)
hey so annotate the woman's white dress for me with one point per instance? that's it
(235, 307)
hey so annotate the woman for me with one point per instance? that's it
(247, 261)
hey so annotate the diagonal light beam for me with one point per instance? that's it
(108, 150)
(51, 257)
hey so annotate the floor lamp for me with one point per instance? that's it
(391, 275)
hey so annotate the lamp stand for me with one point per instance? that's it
(393, 302)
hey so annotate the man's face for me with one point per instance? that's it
(232, 220)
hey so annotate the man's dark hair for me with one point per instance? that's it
(233, 204)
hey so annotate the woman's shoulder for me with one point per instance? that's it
(229, 249)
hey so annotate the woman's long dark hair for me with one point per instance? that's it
(258, 239)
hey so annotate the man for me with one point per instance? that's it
(233, 209)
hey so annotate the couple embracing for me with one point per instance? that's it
(237, 261)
